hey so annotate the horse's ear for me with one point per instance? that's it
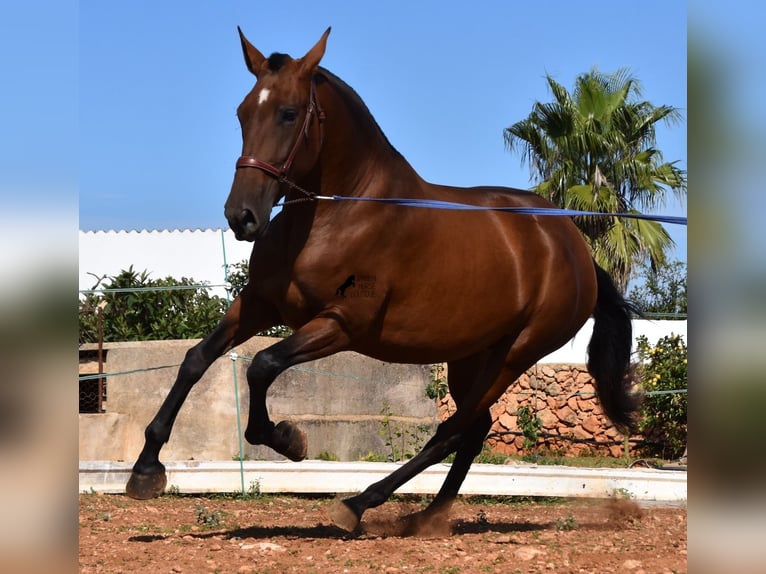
(253, 58)
(311, 60)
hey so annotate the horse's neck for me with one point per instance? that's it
(359, 158)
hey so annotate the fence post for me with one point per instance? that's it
(233, 356)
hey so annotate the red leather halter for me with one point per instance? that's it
(281, 172)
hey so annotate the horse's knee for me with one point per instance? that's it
(193, 366)
(264, 368)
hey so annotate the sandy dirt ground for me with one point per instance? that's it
(277, 534)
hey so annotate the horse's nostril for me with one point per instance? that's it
(243, 222)
(246, 218)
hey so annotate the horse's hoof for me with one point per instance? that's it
(342, 516)
(290, 441)
(146, 486)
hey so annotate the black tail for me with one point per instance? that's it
(609, 354)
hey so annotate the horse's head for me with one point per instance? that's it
(280, 135)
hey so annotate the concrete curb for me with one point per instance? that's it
(323, 477)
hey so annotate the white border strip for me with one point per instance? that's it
(323, 477)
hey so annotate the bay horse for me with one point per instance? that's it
(488, 293)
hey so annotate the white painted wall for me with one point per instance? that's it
(199, 254)
(575, 350)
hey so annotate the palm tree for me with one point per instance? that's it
(594, 150)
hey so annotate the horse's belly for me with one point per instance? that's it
(436, 338)
(450, 324)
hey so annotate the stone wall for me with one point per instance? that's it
(343, 403)
(340, 402)
(563, 398)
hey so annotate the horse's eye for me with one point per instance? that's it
(287, 115)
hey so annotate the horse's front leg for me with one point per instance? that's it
(243, 319)
(319, 338)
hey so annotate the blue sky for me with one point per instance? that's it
(159, 85)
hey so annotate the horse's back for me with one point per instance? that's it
(542, 261)
(533, 241)
(457, 280)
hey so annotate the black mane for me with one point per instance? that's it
(350, 93)
(277, 60)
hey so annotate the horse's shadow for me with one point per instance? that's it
(392, 528)
(330, 532)
(485, 527)
(320, 531)
(418, 524)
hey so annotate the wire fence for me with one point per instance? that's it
(90, 397)
(93, 386)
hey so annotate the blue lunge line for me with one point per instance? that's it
(437, 204)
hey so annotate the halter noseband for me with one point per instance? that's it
(281, 172)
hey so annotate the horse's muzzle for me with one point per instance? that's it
(244, 224)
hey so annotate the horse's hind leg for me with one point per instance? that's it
(148, 478)
(463, 433)
(435, 517)
(460, 376)
(468, 450)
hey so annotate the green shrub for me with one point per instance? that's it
(143, 309)
(136, 307)
(662, 420)
(437, 387)
(530, 425)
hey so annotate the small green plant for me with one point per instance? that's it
(565, 524)
(253, 491)
(237, 457)
(663, 373)
(172, 490)
(488, 456)
(529, 425)
(390, 433)
(403, 443)
(209, 518)
(326, 455)
(373, 457)
(437, 387)
(547, 457)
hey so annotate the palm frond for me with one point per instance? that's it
(595, 150)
